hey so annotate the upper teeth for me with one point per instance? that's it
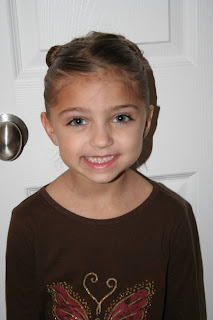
(99, 159)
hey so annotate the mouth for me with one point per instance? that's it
(100, 160)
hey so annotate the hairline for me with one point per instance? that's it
(62, 81)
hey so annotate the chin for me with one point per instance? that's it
(105, 179)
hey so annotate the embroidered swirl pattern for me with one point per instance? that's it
(94, 279)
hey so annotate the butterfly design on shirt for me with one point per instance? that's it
(132, 305)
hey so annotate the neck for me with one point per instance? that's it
(86, 189)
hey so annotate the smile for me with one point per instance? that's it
(100, 160)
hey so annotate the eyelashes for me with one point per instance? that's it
(121, 118)
(77, 122)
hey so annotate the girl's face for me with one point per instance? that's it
(99, 124)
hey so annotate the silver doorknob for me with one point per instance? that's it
(13, 137)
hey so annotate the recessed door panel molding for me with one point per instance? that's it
(58, 24)
(163, 33)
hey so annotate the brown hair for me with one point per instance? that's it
(93, 53)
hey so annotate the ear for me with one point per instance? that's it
(148, 121)
(48, 128)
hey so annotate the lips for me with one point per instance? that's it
(100, 160)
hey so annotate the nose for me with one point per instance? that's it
(101, 136)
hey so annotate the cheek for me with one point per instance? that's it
(133, 140)
(67, 147)
(72, 146)
(135, 134)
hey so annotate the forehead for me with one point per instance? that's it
(102, 86)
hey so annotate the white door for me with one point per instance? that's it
(176, 37)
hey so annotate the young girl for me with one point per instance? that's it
(101, 241)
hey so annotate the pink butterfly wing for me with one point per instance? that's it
(68, 308)
(131, 307)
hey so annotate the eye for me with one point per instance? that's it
(77, 122)
(122, 118)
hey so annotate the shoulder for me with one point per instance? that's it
(170, 196)
(171, 205)
(175, 215)
(30, 208)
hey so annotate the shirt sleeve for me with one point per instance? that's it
(21, 282)
(185, 291)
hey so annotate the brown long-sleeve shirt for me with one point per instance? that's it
(144, 264)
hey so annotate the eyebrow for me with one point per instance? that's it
(85, 109)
